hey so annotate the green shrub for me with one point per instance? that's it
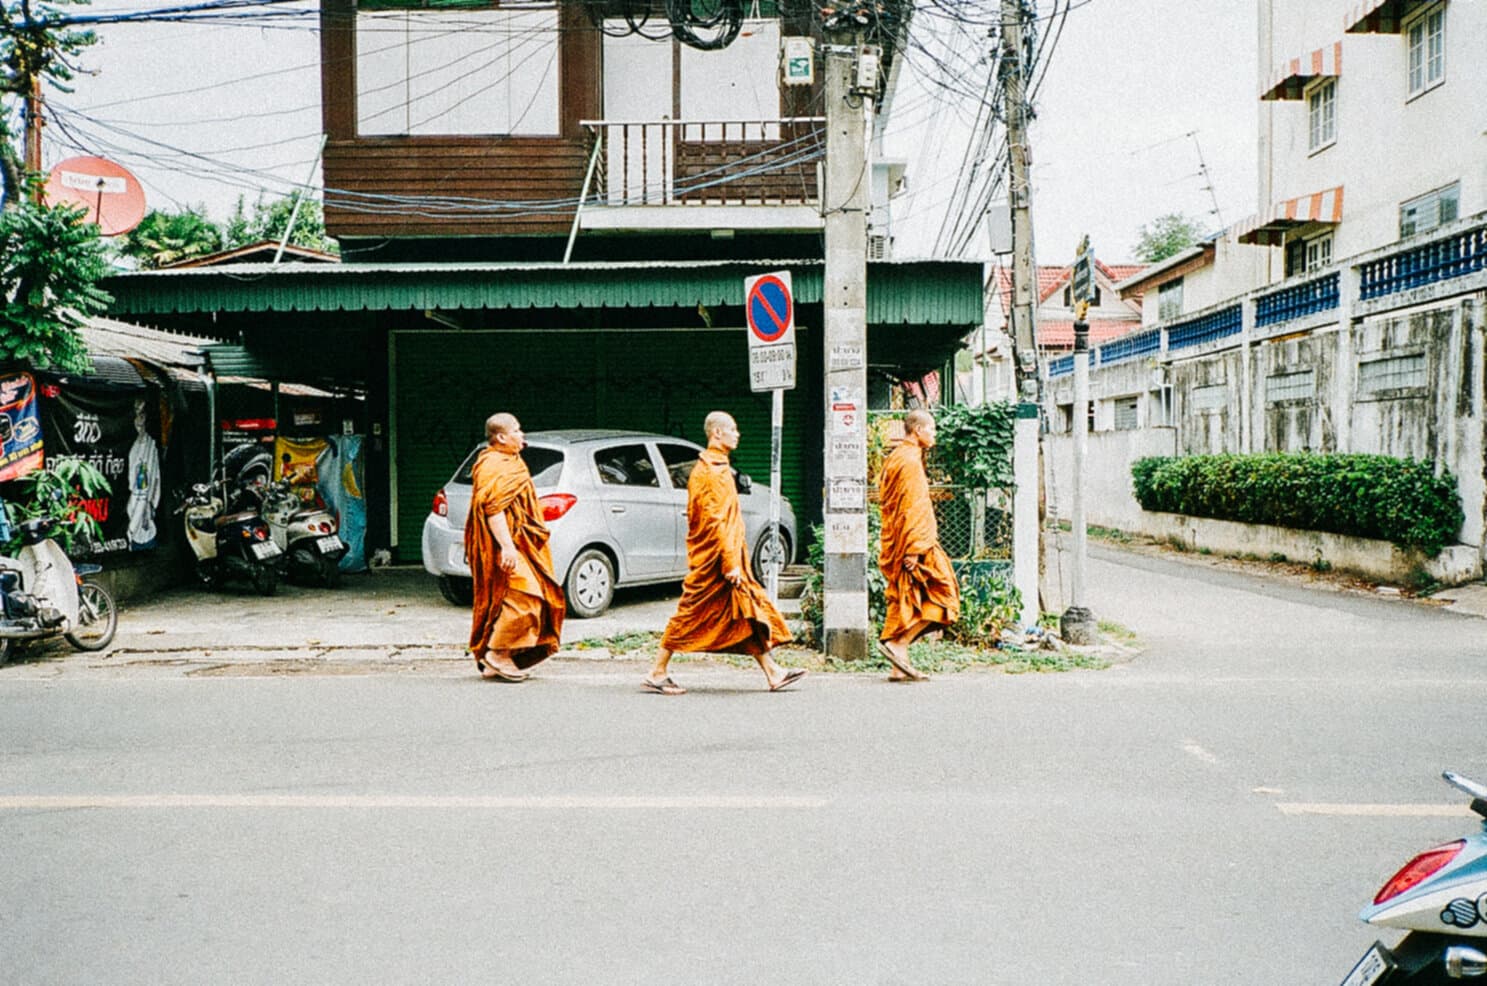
(1375, 496)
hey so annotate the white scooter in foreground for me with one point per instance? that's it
(42, 594)
(1440, 897)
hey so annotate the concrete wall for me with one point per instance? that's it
(1109, 501)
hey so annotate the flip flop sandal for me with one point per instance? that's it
(790, 678)
(910, 672)
(490, 672)
(663, 687)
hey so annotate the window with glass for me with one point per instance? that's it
(1430, 210)
(456, 67)
(679, 461)
(626, 465)
(1322, 115)
(1319, 253)
(1169, 300)
(1427, 45)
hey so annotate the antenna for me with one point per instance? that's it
(1207, 178)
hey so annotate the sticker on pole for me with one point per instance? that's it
(769, 308)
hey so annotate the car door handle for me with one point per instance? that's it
(616, 509)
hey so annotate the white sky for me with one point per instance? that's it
(1126, 84)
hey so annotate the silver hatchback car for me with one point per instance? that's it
(616, 503)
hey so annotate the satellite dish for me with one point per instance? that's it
(112, 196)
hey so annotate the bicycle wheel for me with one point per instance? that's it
(97, 619)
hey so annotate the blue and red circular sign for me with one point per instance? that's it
(769, 308)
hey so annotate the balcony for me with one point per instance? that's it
(703, 174)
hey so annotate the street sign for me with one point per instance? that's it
(1082, 280)
(769, 309)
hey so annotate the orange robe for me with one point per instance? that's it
(713, 615)
(928, 597)
(521, 612)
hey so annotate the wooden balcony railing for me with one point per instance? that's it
(706, 162)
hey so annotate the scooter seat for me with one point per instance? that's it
(226, 519)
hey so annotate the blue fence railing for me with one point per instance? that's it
(1453, 256)
(1129, 347)
(1310, 298)
(1216, 325)
(1061, 367)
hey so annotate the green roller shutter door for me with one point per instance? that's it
(447, 383)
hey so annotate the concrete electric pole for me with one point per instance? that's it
(851, 87)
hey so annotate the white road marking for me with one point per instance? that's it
(1374, 810)
(1195, 750)
(530, 802)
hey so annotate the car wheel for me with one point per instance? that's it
(460, 592)
(771, 550)
(590, 586)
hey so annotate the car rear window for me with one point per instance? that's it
(542, 462)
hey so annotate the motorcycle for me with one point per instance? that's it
(229, 545)
(307, 535)
(43, 594)
(1440, 898)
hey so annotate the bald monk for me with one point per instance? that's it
(723, 609)
(517, 614)
(922, 594)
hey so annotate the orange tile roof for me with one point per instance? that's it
(1054, 334)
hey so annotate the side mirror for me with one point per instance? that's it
(744, 483)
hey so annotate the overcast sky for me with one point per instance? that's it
(1126, 84)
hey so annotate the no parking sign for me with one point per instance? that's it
(769, 308)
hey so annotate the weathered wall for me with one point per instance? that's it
(1109, 501)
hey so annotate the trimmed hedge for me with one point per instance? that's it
(1372, 496)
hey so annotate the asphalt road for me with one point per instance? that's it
(1216, 811)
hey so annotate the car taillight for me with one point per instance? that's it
(1419, 869)
(441, 504)
(555, 505)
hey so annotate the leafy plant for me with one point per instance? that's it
(1404, 501)
(52, 493)
(974, 445)
(50, 263)
(1166, 236)
(164, 238)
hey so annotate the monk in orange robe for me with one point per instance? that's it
(723, 609)
(517, 615)
(923, 595)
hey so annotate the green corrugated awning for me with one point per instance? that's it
(930, 293)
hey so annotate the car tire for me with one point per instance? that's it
(460, 592)
(590, 584)
(765, 549)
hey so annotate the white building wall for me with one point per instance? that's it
(1390, 147)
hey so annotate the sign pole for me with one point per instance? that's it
(1077, 624)
(776, 440)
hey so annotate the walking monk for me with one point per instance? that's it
(723, 609)
(517, 614)
(922, 594)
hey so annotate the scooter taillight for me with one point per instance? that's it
(1419, 869)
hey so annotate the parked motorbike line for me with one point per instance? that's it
(1440, 899)
(42, 594)
(308, 536)
(224, 546)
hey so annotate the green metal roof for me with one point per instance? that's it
(934, 292)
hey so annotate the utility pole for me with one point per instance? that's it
(851, 87)
(33, 133)
(1027, 546)
(1020, 200)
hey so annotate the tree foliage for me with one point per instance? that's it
(164, 238)
(1167, 236)
(50, 263)
(51, 493)
(267, 220)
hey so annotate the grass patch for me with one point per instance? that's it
(627, 644)
(1110, 534)
(931, 657)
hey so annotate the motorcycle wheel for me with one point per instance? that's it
(206, 577)
(330, 572)
(265, 579)
(97, 619)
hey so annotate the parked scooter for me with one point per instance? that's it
(306, 535)
(227, 546)
(43, 594)
(1440, 897)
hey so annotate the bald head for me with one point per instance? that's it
(721, 430)
(919, 425)
(503, 430)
